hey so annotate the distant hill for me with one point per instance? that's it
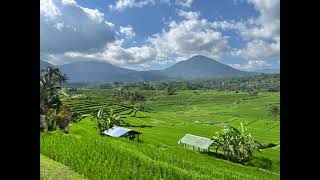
(197, 67)
(201, 67)
(268, 71)
(94, 71)
(44, 64)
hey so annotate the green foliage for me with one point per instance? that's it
(110, 158)
(235, 144)
(51, 120)
(253, 92)
(64, 118)
(274, 110)
(50, 83)
(136, 97)
(170, 90)
(132, 97)
(261, 82)
(72, 91)
(157, 155)
(54, 102)
(50, 102)
(108, 119)
(54, 119)
(136, 108)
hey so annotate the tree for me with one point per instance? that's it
(118, 96)
(253, 92)
(50, 83)
(108, 119)
(274, 111)
(235, 144)
(171, 90)
(136, 97)
(137, 108)
(72, 91)
(50, 103)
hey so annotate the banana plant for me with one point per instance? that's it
(235, 144)
(108, 119)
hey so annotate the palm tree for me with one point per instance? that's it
(136, 108)
(50, 103)
(274, 111)
(48, 86)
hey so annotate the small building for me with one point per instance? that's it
(196, 142)
(118, 131)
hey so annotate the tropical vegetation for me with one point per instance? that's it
(163, 120)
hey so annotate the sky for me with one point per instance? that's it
(155, 34)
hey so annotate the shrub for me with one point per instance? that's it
(51, 120)
(171, 90)
(64, 118)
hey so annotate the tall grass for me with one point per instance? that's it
(107, 158)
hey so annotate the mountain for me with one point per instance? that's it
(197, 67)
(268, 71)
(44, 64)
(96, 72)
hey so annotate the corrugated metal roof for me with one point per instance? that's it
(116, 131)
(197, 141)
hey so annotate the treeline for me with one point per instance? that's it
(132, 97)
(261, 83)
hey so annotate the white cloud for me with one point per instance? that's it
(184, 3)
(69, 2)
(258, 50)
(191, 36)
(115, 53)
(127, 31)
(189, 14)
(251, 65)
(261, 34)
(48, 9)
(124, 4)
(59, 26)
(94, 14)
(110, 24)
(67, 26)
(121, 5)
(267, 25)
(71, 37)
(230, 25)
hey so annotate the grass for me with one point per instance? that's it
(158, 154)
(52, 170)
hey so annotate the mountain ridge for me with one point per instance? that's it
(196, 67)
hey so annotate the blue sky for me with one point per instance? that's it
(154, 34)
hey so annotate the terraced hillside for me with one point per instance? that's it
(157, 155)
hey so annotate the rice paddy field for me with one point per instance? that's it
(157, 154)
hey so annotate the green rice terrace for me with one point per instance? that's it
(157, 154)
